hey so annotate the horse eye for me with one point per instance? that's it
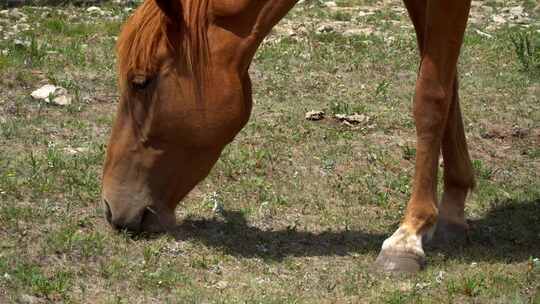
(140, 82)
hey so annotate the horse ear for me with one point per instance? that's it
(171, 8)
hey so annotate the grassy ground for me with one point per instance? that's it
(307, 204)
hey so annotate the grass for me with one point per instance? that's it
(527, 48)
(306, 205)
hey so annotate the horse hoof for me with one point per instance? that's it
(399, 262)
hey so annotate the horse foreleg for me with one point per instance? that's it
(445, 23)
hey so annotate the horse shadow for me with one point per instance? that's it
(231, 233)
(509, 232)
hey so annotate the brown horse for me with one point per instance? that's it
(186, 93)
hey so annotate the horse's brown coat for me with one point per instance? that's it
(186, 92)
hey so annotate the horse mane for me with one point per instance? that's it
(145, 30)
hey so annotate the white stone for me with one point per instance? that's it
(44, 92)
(62, 100)
(516, 10)
(19, 42)
(363, 14)
(483, 34)
(358, 32)
(498, 19)
(314, 115)
(94, 9)
(52, 94)
(73, 151)
(16, 14)
(354, 118)
(440, 277)
(325, 28)
(330, 4)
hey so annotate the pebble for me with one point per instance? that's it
(330, 4)
(52, 94)
(325, 28)
(94, 9)
(314, 115)
(354, 118)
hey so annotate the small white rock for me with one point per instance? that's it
(325, 28)
(16, 14)
(62, 100)
(440, 277)
(52, 94)
(218, 207)
(330, 4)
(44, 92)
(516, 10)
(363, 14)
(73, 151)
(483, 34)
(354, 118)
(19, 42)
(358, 32)
(498, 19)
(22, 27)
(314, 115)
(221, 285)
(94, 9)
(422, 285)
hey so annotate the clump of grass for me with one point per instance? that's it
(408, 152)
(30, 52)
(31, 276)
(346, 107)
(527, 49)
(342, 16)
(79, 244)
(482, 170)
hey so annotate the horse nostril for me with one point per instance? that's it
(146, 216)
(150, 221)
(108, 213)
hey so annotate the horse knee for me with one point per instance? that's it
(431, 104)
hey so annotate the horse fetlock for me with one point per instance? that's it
(449, 232)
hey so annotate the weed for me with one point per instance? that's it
(31, 276)
(482, 170)
(341, 16)
(527, 50)
(78, 244)
(409, 153)
(472, 286)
